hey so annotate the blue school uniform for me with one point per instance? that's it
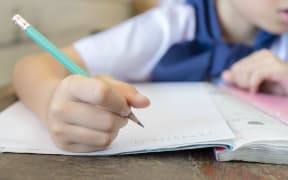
(207, 55)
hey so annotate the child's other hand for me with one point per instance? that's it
(261, 71)
(86, 114)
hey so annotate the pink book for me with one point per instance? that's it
(276, 106)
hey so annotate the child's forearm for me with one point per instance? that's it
(36, 77)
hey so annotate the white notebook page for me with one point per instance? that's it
(180, 115)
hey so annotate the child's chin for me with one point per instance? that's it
(278, 29)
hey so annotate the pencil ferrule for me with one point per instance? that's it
(18, 20)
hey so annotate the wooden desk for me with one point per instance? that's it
(194, 164)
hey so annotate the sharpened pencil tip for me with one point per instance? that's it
(140, 124)
(135, 119)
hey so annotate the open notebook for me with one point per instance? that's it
(181, 116)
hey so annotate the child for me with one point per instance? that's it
(192, 41)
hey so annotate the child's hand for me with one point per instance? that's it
(85, 114)
(260, 71)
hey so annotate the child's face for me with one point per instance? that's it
(270, 15)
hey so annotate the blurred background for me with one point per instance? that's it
(62, 21)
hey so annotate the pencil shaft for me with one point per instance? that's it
(54, 51)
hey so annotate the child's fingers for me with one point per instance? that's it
(252, 71)
(87, 116)
(241, 73)
(132, 96)
(237, 78)
(137, 100)
(96, 92)
(263, 73)
(80, 135)
(81, 147)
(256, 79)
